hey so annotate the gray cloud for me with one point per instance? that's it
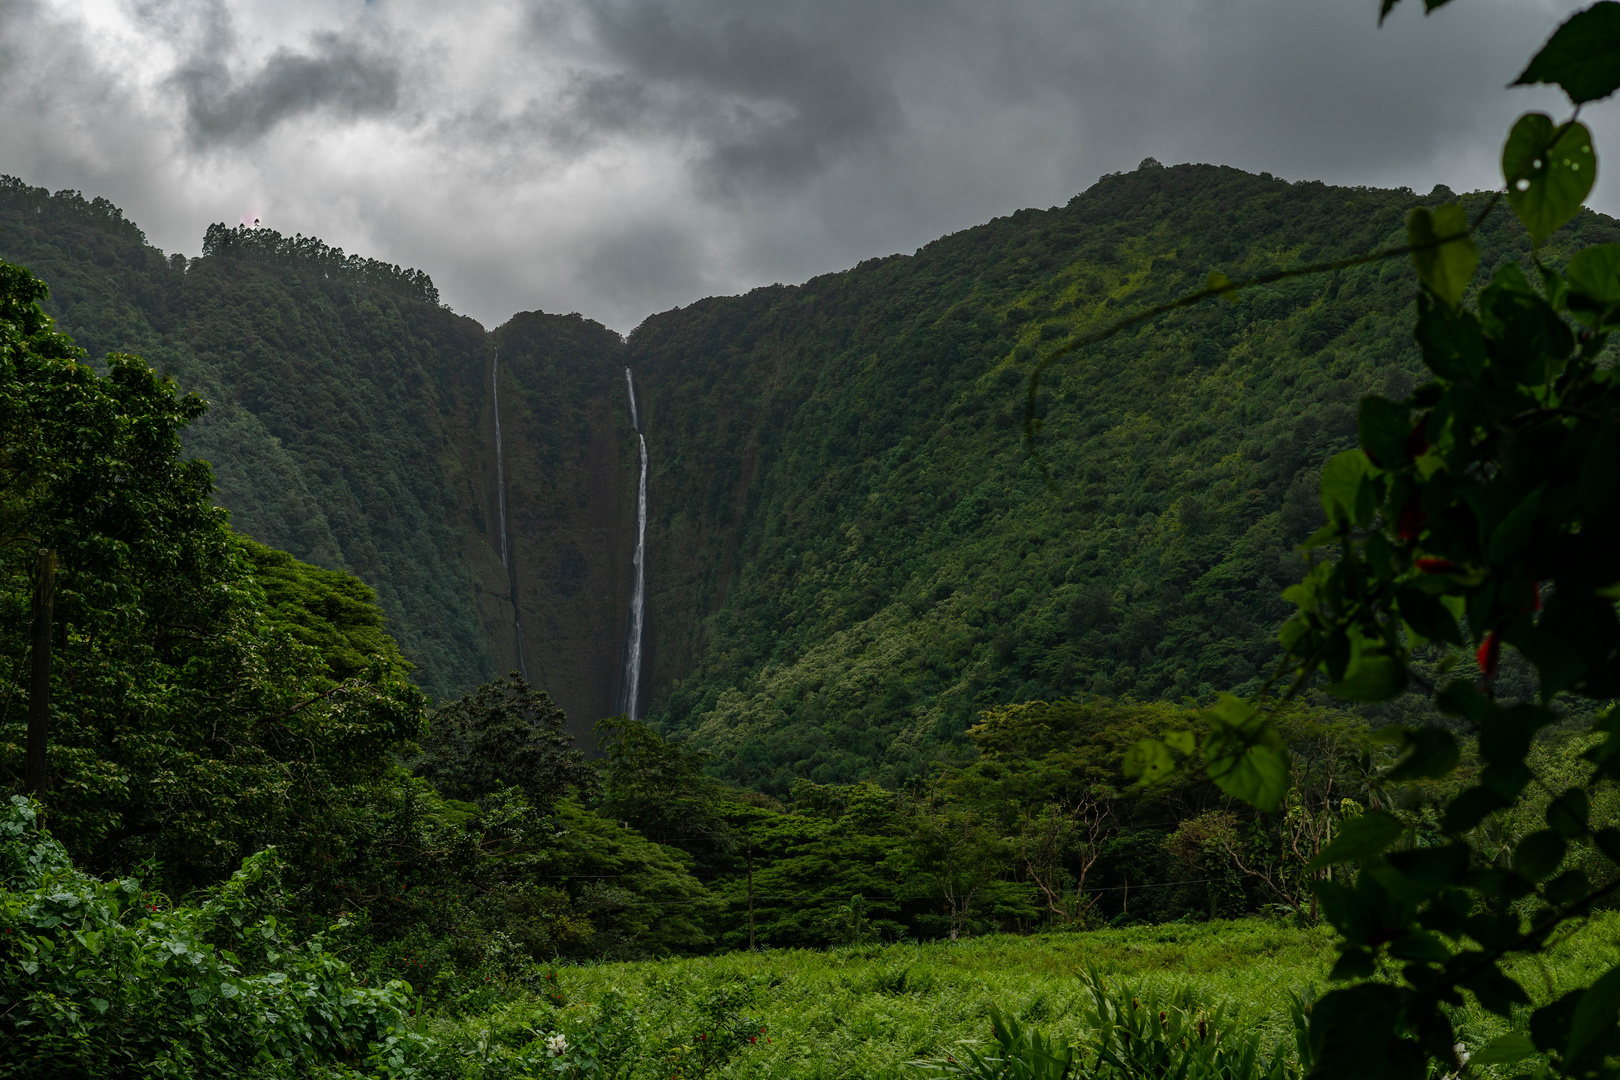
(336, 76)
(619, 157)
(774, 96)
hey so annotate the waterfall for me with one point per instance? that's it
(638, 597)
(500, 465)
(500, 488)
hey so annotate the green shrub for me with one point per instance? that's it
(103, 979)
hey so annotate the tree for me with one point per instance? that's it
(505, 734)
(1480, 513)
(188, 721)
(953, 849)
(659, 787)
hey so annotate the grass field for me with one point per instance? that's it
(863, 1012)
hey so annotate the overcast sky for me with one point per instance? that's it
(622, 157)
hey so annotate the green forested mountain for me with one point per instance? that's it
(840, 465)
(850, 553)
(328, 388)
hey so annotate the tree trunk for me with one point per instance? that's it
(39, 688)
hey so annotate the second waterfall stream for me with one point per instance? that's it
(500, 487)
(638, 596)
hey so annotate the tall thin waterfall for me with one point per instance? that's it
(638, 597)
(500, 488)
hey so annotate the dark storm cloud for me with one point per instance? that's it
(772, 91)
(620, 157)
(336, 76)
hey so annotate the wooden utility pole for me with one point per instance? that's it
(39, 687)
(750, 894)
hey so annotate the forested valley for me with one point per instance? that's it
(339, 779)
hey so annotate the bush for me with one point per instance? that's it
(103, 979)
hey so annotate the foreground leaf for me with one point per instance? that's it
(1549, 172)
(1445, 255)
(1503, 1050)
(1582, 56)
(1360, 838)
(1244, 755)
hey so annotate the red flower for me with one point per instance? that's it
(1489, 655)
(1434, 566)
(1412, 520)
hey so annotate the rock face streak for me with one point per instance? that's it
(630, 694)
(500, 487)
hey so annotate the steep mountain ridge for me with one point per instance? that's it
(850, 553)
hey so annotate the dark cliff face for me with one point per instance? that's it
(571, 465)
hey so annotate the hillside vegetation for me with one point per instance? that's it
(851, 553)
(902, 563)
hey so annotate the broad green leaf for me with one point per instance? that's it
(1182, 742)
(1352, 1034)
(1424, 753)
(1467, 810)
(1515, 530)
(1428, 615)
(1503, 1050)
(1346, 490)
(1244, 755)
(1148, 762)
(1258, 775)
(1232, 710)
(1422, 946)
(1451, 341)
(1582, 56)
(1596, 1013)
(1568, 814)
(1369, 672)
(1353, 964)
(1538, 854)
(1600, 470)
(1360, 838)
(1567, 888)
(1547, 178)
(1371, 676)
(1431, 868)
(1383, 427)
(1593, 277)
(1444, 253)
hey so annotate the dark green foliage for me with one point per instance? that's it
(187, 724)
(108, 979)
(899, 562)
(306, 252)
(1494, 522)
(330, 380)
(507, 734)
(851, 554)
(659, 787)
(329, 611)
